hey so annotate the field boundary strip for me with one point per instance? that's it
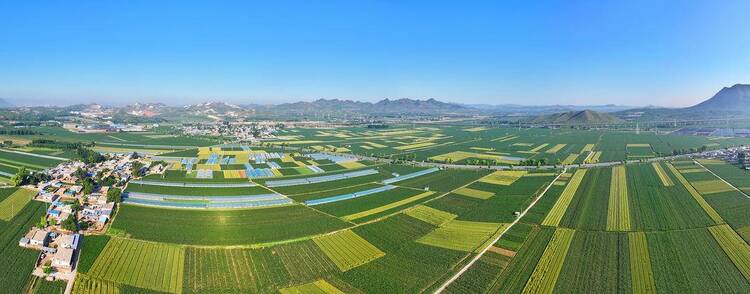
(736, 249)
(641, 273)
(618, 208)
(497, 237)
(665, 180)
(697, 196)
(547, 271)
(386, 207)
(557, 212)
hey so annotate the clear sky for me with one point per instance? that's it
(670, 53)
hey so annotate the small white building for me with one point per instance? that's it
(38, 237)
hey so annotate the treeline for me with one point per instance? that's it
(17, 132)
(82, 150)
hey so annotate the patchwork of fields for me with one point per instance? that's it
(235, 219)
(485, 145)
(407, 234)
(640, 228)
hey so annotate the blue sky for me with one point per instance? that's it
(670, 53)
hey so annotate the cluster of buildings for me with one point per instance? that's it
(106, 127)
(734, 155)
(66, 197)
(240, 131)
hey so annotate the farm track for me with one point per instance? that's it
(722, 179)
(505, 230)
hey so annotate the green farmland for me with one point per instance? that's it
(678, 239)
(309, 221)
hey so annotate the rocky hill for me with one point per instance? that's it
(733, 99)
(577, 118)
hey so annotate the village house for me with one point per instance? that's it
(63, 259)
(34, 238)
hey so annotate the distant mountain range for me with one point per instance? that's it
(542, 109)
(382, 107)
(577, 118)
(728, 102)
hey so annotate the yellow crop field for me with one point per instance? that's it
(481, 149)
(414, 146)
(375, 145)
(558, 210)
(692, 170)
(618, 210)
(234, 174)
(641, 275)
(556, 148)
(430, 215)
(540, 147)
(473, 193)
(595, 157)
(544, 277)
(351, 164)
(502, 138)
(476, 129)
(14, 203)
(202, 166)
(389, 206)
(319, 286)
(540, 175)
(365, 147)
(461, 155)
(523, 144)
(736, 248)
(85, 285)
(347, 249)
(697, 196)
(503, 177)
(639, 145)
(588, 148)
(460, 235)
(158, 267)
(665, 179)
(276, 172)
(711, 186)
(570, 158)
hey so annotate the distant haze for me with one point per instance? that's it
(487, 52)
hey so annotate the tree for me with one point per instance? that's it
(20, 177)
(81, 173)
(113, 195)
(136, 168)
(88, 186)
(70, 223)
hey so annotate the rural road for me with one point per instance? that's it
(484, 250)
